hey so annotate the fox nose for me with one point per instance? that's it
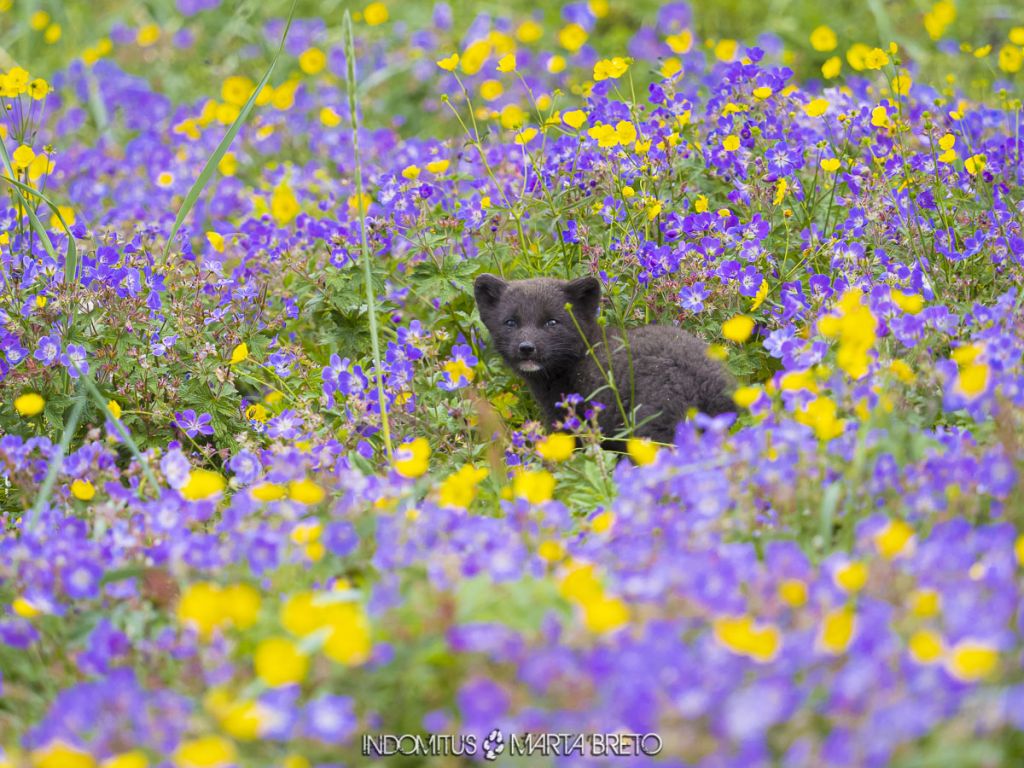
(526, 348)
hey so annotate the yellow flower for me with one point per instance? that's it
(534, 485)
(236, 90)
(894, 539)
(671, 67)
(449, 63)
(114, 408)
(816, 107)
(793, 592)
(39, 20)
(837, 629)
(22, 157)
(574, 118)
(972, 380)
(201, 608)
(350, 642)
(731, 143)
(641, 450)
(206, 752)
(329, 117)
(830, 164)
(876, 58)
(507, 63)
(681, 42)
(557, 446)
(312, 61)
(605, 614)
(529, 31)
(823, 39)
(306, 492)
(475, 55)
(284, 206)
(938, 19)
(411, 458)
(780, 191)
(526, 136)
(742, 636)
(880, 117)
(970, 660)
(240, 604)
(147, 35)
(228, 164)
(23, 607)
(511, 116)
(438, 167)
(459, 489)
(974, 164)
(491, 90)
(202, 484)
(375, 14)
(925, 603)
(133, 759)
(551, 551)
(725, 50)
(851, 577)
(820, 414)
(610, 69)
(911, 303)
(279, 662)
(738, 328)
(83, 490)
(603, 522)
(216, 241)
(59, 754)
(925, 646)
(744, 397)
(30, 404)
(239, 353)
(762, 93)
(857, 56)
(832, 67)
(572, 37)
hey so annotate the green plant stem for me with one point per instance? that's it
(371, 299)
(56, 463)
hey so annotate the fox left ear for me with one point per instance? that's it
(584, 294)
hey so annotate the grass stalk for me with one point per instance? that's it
(371, 299)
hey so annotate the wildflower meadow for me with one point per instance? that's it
(269, 497)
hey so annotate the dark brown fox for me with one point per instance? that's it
(660, 372)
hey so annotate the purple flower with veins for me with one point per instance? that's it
(74, 360)
(48, 350)
(750, 281)
(193, 425)
(692, 297)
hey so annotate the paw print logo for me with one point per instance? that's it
(493, 745)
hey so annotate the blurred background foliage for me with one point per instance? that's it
(47, 35)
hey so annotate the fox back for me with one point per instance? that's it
(660, 372)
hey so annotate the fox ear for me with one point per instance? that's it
(584, 294)
(488, 289)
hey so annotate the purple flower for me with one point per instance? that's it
(82, 580)
(193, 425)
(692, 297)
(48, 350)
(74, 360)
(330, 719)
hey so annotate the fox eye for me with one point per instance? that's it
(511, 322)
(551, 323)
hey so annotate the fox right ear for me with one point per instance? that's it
(488, 289)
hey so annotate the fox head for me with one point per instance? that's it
(529, 323)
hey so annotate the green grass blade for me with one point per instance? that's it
(211, 163)
(56, 463)
(122, 431)
(71, 255)
(371, 299)
(37, 225)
